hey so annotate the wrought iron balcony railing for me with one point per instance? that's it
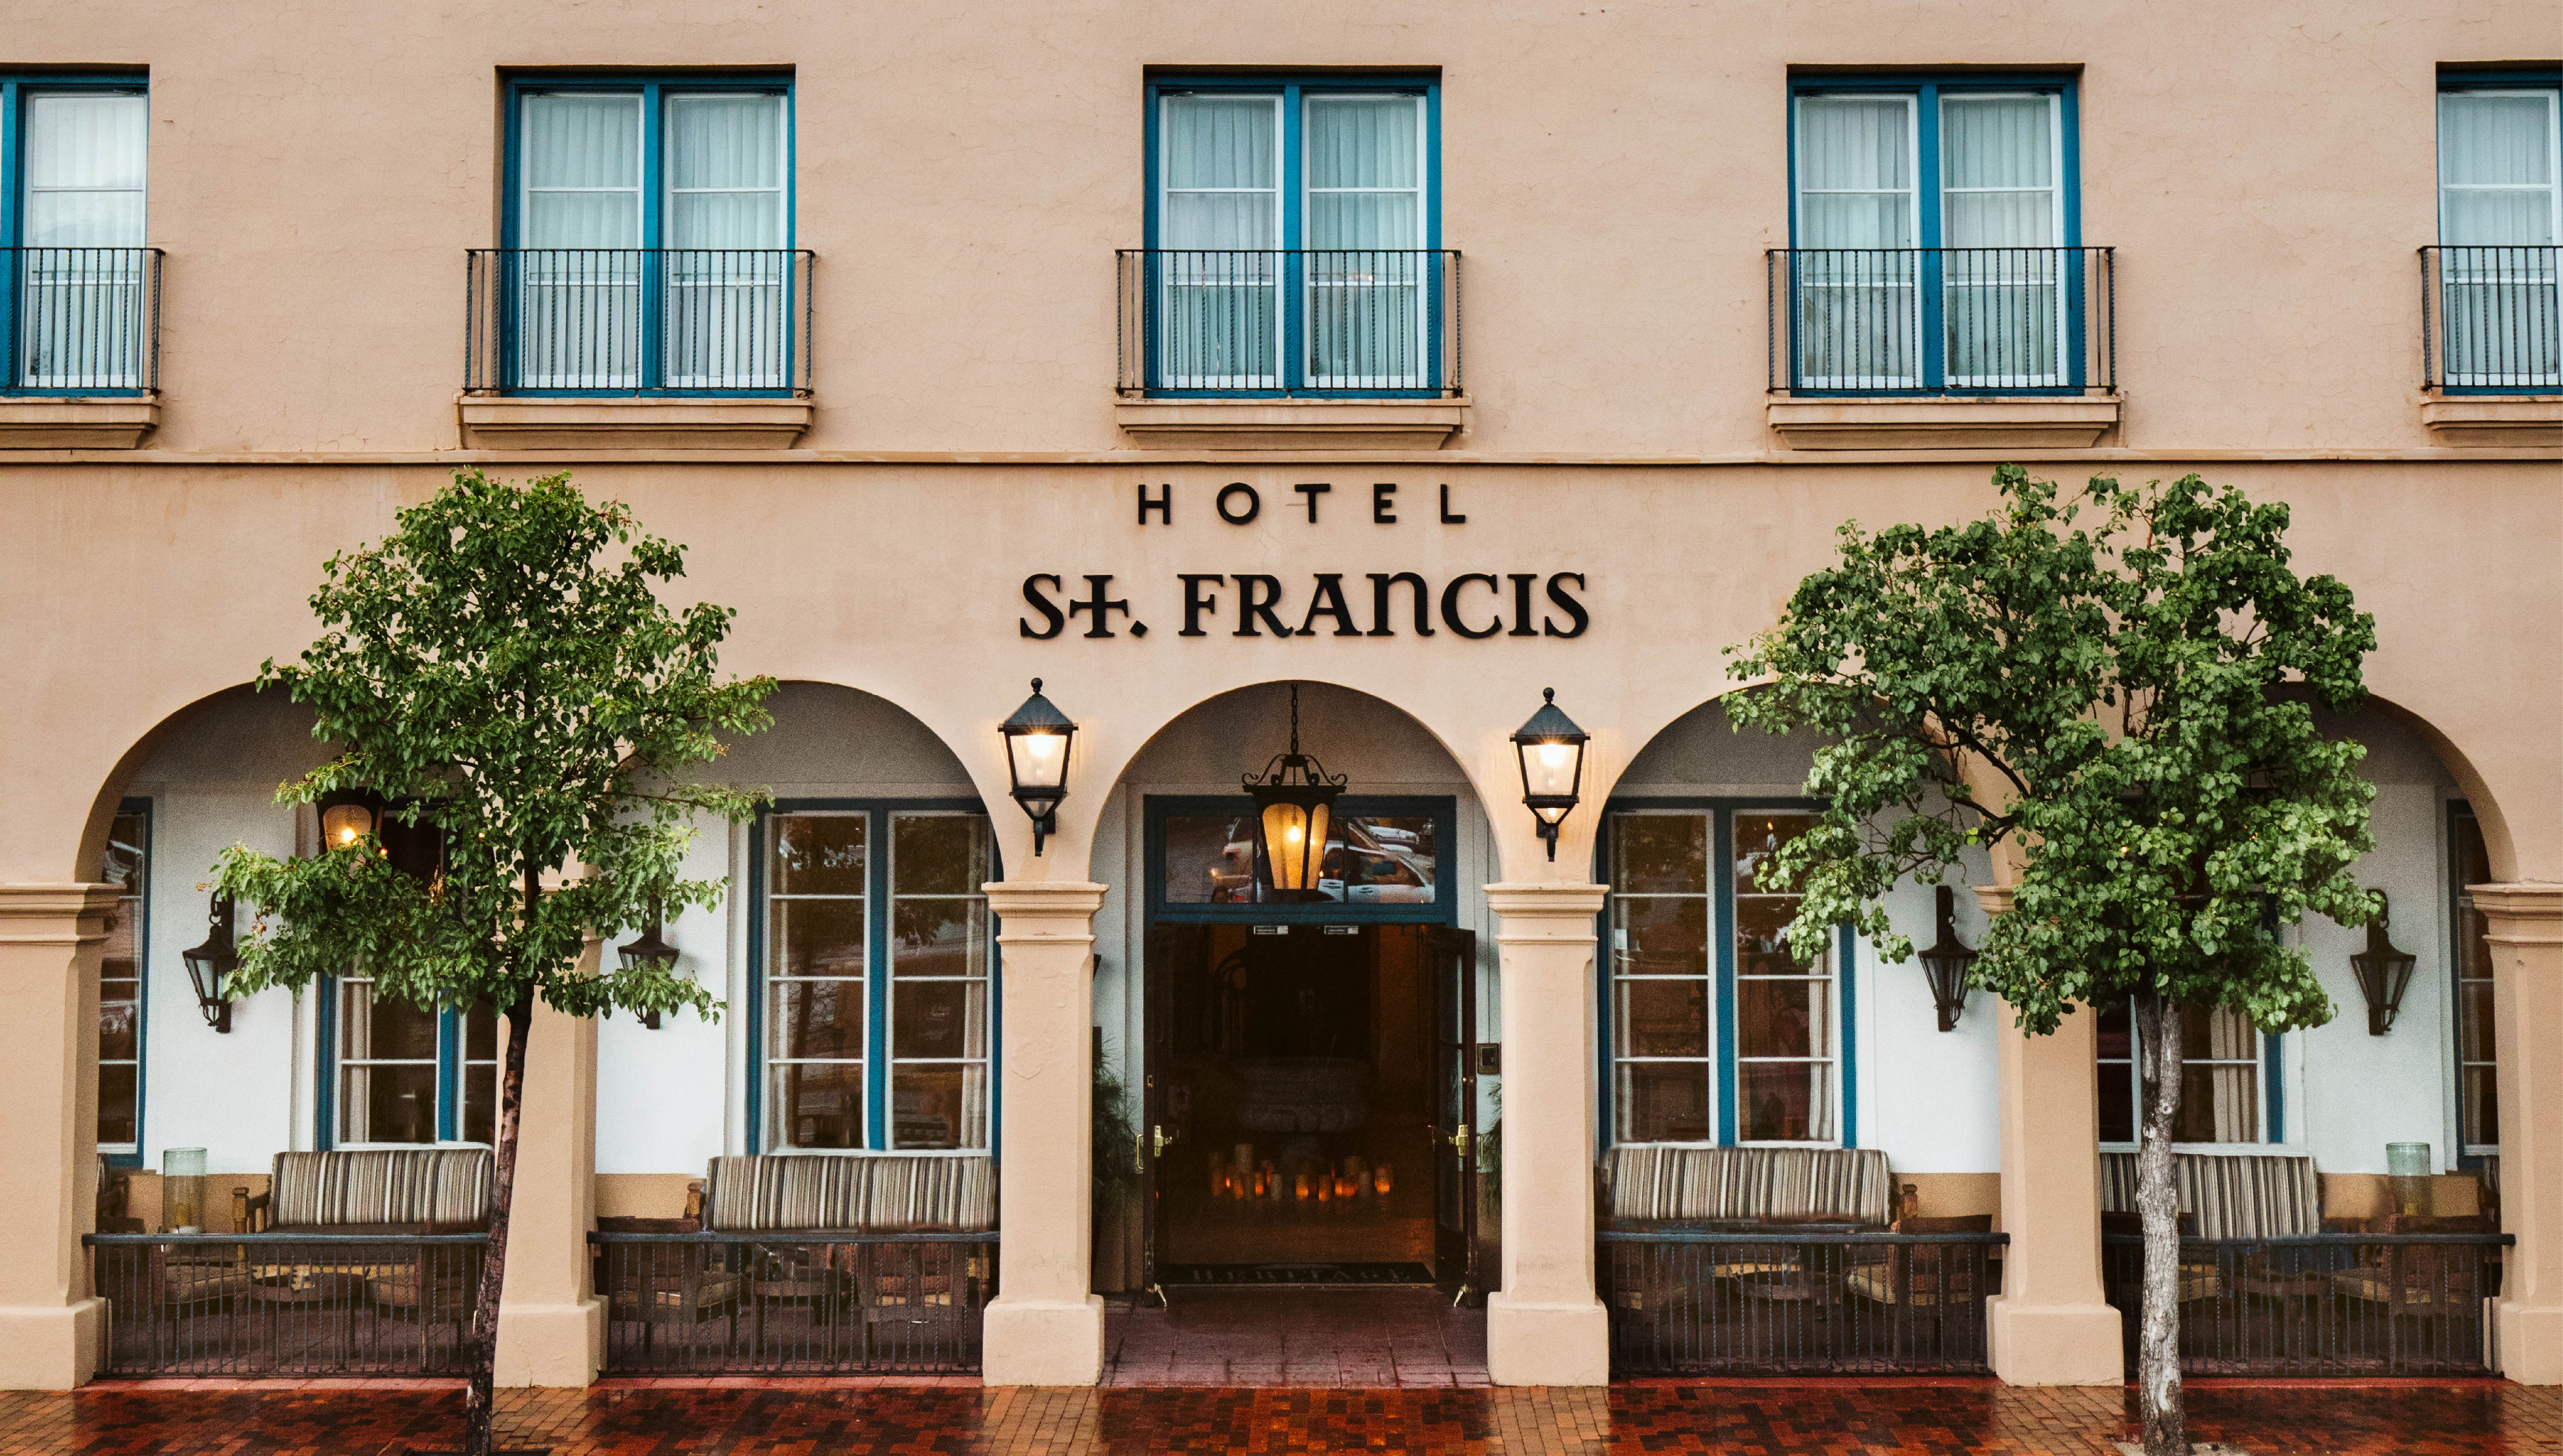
(2322, 1305)
(287, 1304)
(1773, 1300)
(1345, 322)
(806, 1302)
(1942, 322)
(636, 321)
(2489, 319)
(81, 320)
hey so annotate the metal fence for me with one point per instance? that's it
(285, 1303)
(754, 1303)
(1345, 322)
(81, 320)
(2491, 318)
(1955, 321)
(1702, 1302)
(637, 320)
(2333, 1304)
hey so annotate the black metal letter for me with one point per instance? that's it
(1102, 609)
(1163, 505)
(1380, 582)
(1195, 604)
(1312, 491)
(1329, 601)
(1450, 606)
(1049, 609)
(1448, 519)
(1574, 609)
(1254, 503)
(1256, 596)
(1522, 581)
(1382, 509)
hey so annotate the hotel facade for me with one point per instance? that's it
(1331, 383)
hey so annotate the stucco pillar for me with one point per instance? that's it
(1545, 1327)
(551, 1325)
(2527, 936)
(1047, 1326)
(50, 936)
(2050, 1325)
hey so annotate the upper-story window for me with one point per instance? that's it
(1934, 238)
(2500, 217)
(1291, 236)
(649, 233)
(76, 307)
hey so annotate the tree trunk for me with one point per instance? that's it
(2158, 1397)
(477, 1406)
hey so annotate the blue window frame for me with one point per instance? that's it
(648, 238)
(124, 985)
(2501, 219)
(395, 1075)
(1935, 236)
(872, 1015)
(1386, 859)
(2478, 1057)
(1712, 1032)
(75, 302)
(1294, 235)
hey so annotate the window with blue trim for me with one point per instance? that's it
(1716, 1033)
(1291, 236)
(2500, 217)
(402, 1074)
(648, 237)
(2228, 1078)
(1934, 237)
(875, 956)
(72, 170)
(122, 975)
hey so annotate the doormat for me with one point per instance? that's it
(1272, 1276)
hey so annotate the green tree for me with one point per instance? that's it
(2116, 683)
(500, 673)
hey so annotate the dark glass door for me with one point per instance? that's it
(1455, 1180)
(1154, 1134)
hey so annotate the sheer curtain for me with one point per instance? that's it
(2001, 224)
(1858, 289)
(82, 302)
(1219, 218)
(2499, 214)
(1366, 273)
(579, 302)
(728, 289)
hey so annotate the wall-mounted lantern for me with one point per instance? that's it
(648, 949)
(1038, 738)
(347, 815)
(1294, 805)
(209, 963)
(1551, 750)
(1948, 961)
(2384, 972)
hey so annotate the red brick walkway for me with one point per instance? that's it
(1839, 1418)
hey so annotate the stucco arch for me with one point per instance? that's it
(171, 729)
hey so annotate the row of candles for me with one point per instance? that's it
(1237, 1174)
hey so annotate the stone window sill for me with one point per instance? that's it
(631, 424)
(2494, 419)
(120, 423)
(2039, 422)
(1291, 423)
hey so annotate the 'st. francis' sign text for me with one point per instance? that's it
(1379, 604)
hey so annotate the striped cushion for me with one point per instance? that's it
(1749, 1182)
(2231, 1195)
(440, 1185)
(878, 1194)
(953, 1194)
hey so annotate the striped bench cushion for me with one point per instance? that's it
(2231, 1195)
(1749, 1182)
(440, 1185)
(877, 1193)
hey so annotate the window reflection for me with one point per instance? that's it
(1370, 859)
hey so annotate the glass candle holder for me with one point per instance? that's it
(1381, 1182)
(183, 1191)
(2406, 1168)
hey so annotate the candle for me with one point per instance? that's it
(1380, 1180)
(1243, 1156)
(1325, 1189)
(1300, 1185)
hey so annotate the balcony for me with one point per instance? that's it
(2491, 345)
(1289, 349)
(636, 348)
(1920, 348)
(84, 367)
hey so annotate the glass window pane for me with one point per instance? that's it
(387, 1104)
(2495, 139)
(379, 1027)
(2117, 1102)
(582, 140)
(1783, 1018)
(83, 164)
(1221, 142)
(1651, 936)
(480, 1033)
(1859, 143)
(815, 1018)
(816, 938)
(1661, 1018)
(1660, 853)
(1758, 835)
(817, 853)
(118, 1109)
(2116, 1032)
(1370, 859)
(939, 1020)
(117, 1026)
(2218, 1103)
(939, 937)
(1365, 141)
(1783, 1102)
(725, 143)
(2479, 1104)
(1662, 1102)
(939, 1106)
(815, 1105)
(938, 853)
(480, 1122)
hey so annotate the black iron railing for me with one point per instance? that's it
(1341, 321)
(81, 320)
(1778, 1303)
(2320, 1305)
(746, 1303)
(2491, 319)
(637, 320)
(285, 1303)
(1950, 321)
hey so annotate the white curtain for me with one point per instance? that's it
(729, 281)
(2499, 212)
(1365, 272)
(1218, 304)
(82, 303)
(579, 308)
(1857, 283)
(2001, 224)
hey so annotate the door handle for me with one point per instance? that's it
(1157, 1134)
(1460, 1139)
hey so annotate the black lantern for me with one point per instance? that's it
(1038, 738)
(347, 815)
(1948, 961)
(2382, 973)
(1295, 809)
(649, 948)
(209, 963)
(1551, 748)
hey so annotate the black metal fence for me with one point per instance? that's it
(1290, 322)
(2491, 318)
(81, 320)
(285, 1303)
(753, 1303)
(637, 320)
(1762, 1303)
(2333, 1304)
(1957, 321)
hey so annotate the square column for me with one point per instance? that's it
(1046, 1328)
(2052, 1324)
(50, 936)
(1545, 1327)
(2527, 937)
(551, 1325)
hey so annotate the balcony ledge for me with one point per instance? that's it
(1291, 423)
(118, 422)
(2492, 420)
(631, 424)
(2041, 422)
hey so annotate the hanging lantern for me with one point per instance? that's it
(347, 815)
(1038, 738)
(1551, 748)
(649, 948)
(1948, 961)
(1294, 810)
(2383, 972)
(209, 963)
